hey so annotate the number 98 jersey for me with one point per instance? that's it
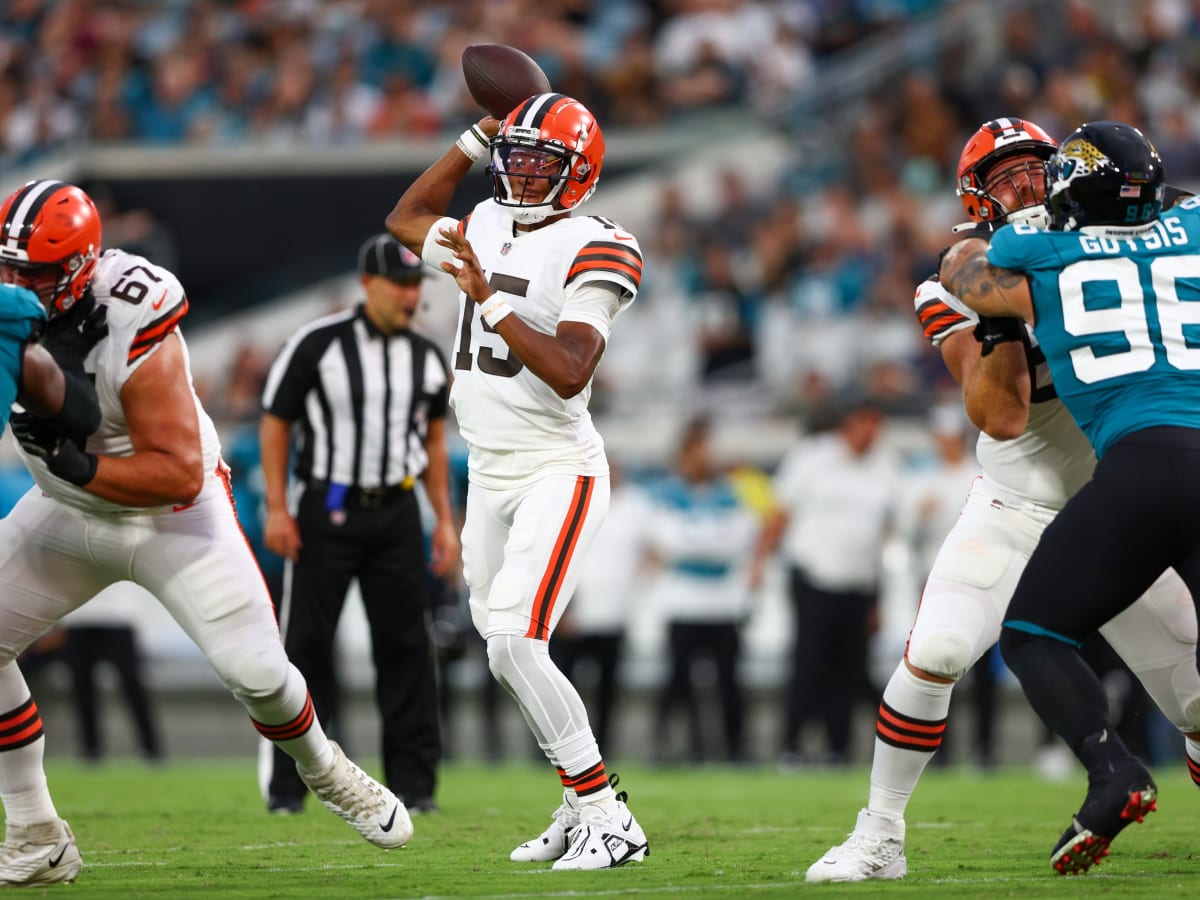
(578, 269)
(1118, 318)
(145, 305)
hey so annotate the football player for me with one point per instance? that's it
(1033, 458)
(144, 499)
(540, 289)
(1108, 290)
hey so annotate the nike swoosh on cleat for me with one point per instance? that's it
(387, 826)
(55, 860)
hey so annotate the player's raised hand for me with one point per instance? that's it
(468, 274)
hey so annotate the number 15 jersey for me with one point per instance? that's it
(1118, 318)
(579, 269)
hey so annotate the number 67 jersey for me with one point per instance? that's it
(579, 269)
(1118, 318)
(145, 305)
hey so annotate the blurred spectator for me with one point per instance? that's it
(933, 496)
(835, 495)
(103, 631)
(704, 536)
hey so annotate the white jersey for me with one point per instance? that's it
(579, 269)
(1051, 459)
(145, 304)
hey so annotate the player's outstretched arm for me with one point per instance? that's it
(66, 400)
(167, 463)
(428, 198)
(989, 291)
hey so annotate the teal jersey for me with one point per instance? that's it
(20, 313)
(1118, 318)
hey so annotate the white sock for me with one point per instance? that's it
(914, 720)
(287, 719)
(23, 787)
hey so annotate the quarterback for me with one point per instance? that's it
(1110, 291)
(145, 499)
(540, 289)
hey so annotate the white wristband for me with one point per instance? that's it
(494, 309)
(473, 143)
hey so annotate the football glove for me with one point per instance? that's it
(992, 331)
(69, 338)
(63, 457)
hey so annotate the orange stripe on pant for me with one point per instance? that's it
(564, 548)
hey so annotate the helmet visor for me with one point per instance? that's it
(526, 175)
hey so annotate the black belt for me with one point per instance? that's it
(371, 498)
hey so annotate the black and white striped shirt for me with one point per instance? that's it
(363, 400)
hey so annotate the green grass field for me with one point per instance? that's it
(198, 828)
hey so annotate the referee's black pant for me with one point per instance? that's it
(378, 541)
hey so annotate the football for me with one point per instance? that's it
(499, 77)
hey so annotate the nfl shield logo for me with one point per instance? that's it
(505, 247)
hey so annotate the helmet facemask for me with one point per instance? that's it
(528, 179)
(1016, 190)
(57, 284)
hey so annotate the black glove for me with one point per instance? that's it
(993, 331)
(64, 457)
(70, 337)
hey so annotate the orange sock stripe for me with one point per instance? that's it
(564, 777)
(288, 730)
(920, 726)
(560, 559)
(594, 779)
(921, 735)
(21, 726)
(1194, 770)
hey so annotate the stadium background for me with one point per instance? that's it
(788, 167)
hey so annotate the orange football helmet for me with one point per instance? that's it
(546, 158)
(50, 241)
(980, 174)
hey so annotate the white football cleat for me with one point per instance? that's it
(553, 842)
(44, 853)
(370, 808)
(604, 842)
(874, 849)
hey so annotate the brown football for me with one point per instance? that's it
(499, 77)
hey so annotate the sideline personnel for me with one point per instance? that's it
(369, 397)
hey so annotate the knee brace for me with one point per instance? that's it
(252, 675)
(944, 653)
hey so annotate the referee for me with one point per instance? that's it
(367, 398)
